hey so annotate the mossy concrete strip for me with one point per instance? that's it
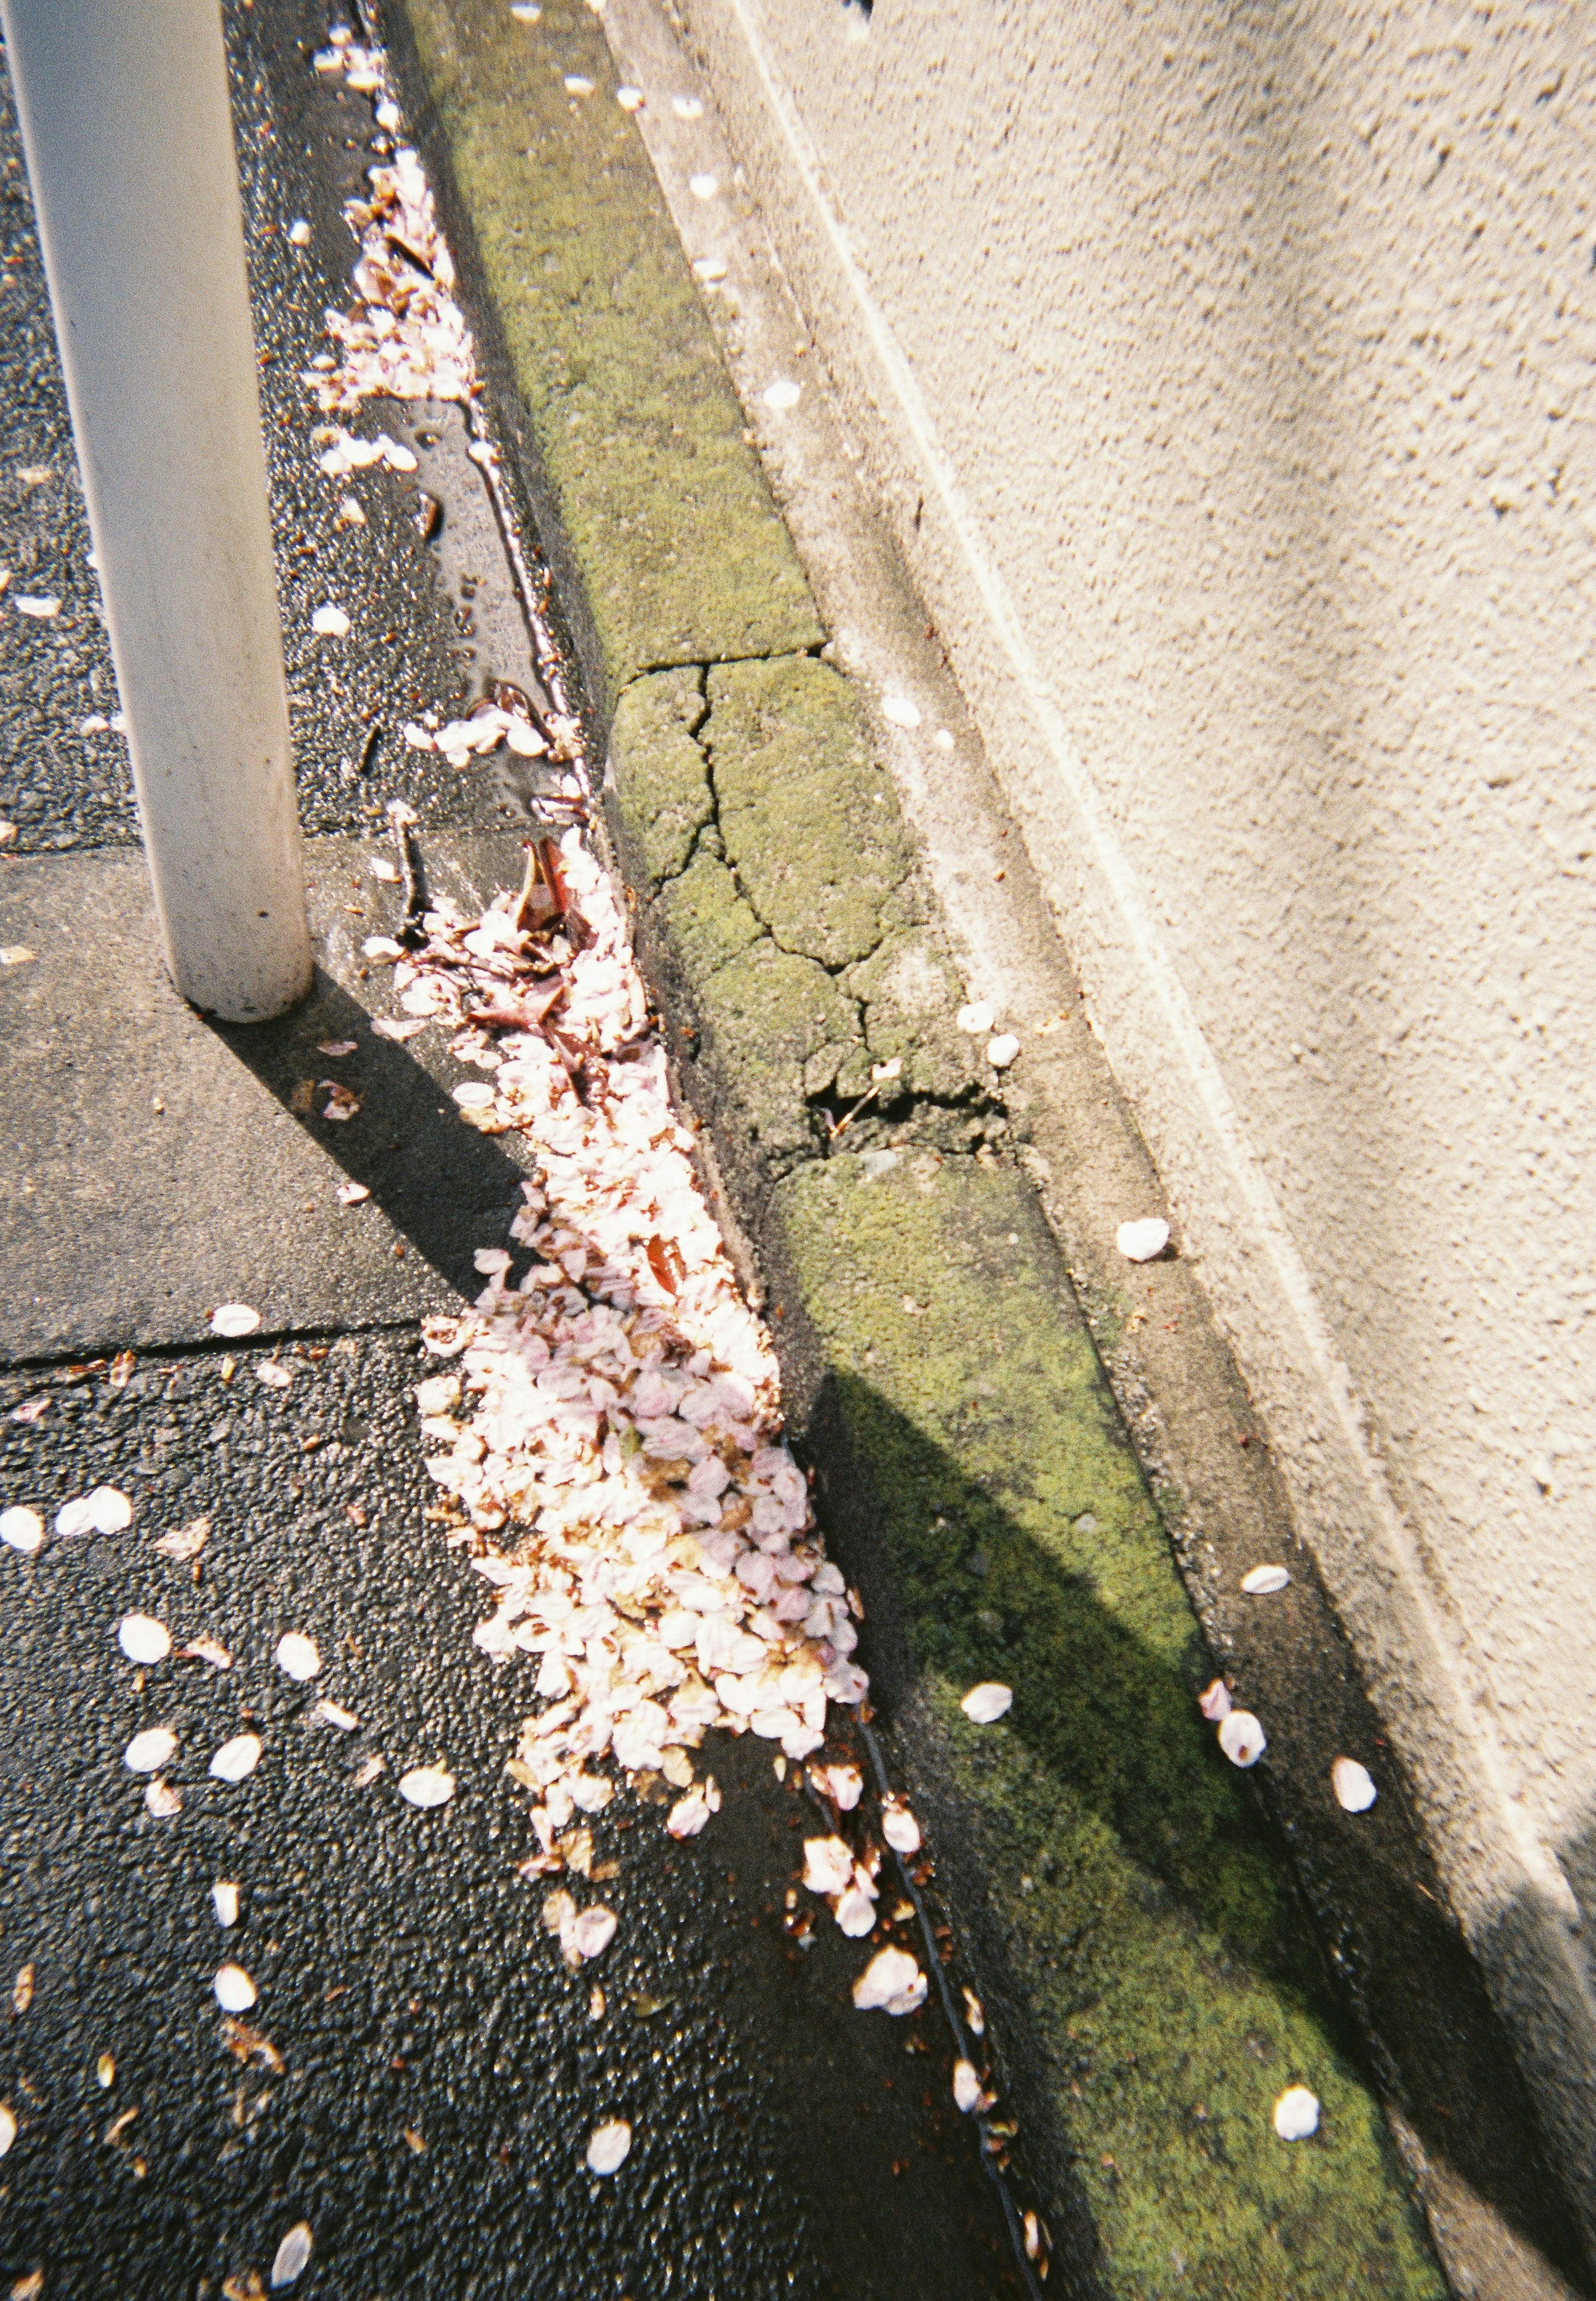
(653, 506)
(782, 918)
(1152, 1977)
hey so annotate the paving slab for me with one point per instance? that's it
(155, 1164)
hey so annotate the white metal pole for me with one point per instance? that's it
(127, 133)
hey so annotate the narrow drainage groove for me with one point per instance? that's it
(607, 1433)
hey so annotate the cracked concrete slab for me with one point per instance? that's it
(157, 1163)
(629, 438)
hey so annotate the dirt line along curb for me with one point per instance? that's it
(1152, 1981)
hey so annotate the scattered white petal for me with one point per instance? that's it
(333, 1713)
(210, 1650)
(474, 1094)
(274, 1374)
(236, 1758)
(686, 107)
(704, 187)
(300, 233)
(976, 1019)
(147, 1752)
(900, 711)
(525, 12)
(592, 1931)
(1354, 1785)
(1297, 2114)
(330, 623)
(184, 1541)
(1214, 1701)
(689, 1815)
(22, 1529)
(985, 1703)
(162, 1800)
(233, 1320)
(8, 2126)
(577, 85)
(629, 99)
(287, 2264)
(381, 868)
(1241, 1738)
(297, 1656)
(891, 1983)
(975, 2013)
(143, 1639)
(427, 1786)
(224, 1901)
(900, 1827)
(843, 1785)
(351, 1195)
(40, 609)
(1001, 1050)
(1264, 1580)
(828, 1864)
(235, 1991)
(608, 2146)
(710, 268)
(1143, 1241)
(966, 2087)
(781, 394)
(365, 1774)
(96, 724)
(855, 1911)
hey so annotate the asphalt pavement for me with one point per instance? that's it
(420, 2073)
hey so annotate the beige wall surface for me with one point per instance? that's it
(1231, 375)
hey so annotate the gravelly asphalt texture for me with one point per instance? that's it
(420, 2077)
(784, 2144)
(304, 146)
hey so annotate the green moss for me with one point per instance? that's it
(1156, 1957)
(660, 509)
(911, 992)
(810, 822)
(776, 1030)
(662, 784)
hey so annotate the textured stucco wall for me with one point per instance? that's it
(1230, 372)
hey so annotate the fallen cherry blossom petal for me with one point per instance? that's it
(143, 1639)
(689, 1815)
(1263, 1581)
(985, 1703)
(333, 1713)
(22, 1529)
(106, 1511)
(782, 395)
(366, 1773)
(975, 2013)
(273, 1375)
(233, 1320)
(900, 711)
(1214, 1701)
(426, 1785)
(235, 1991)
(8, 2126)
(351, 1195)
(224, 1901)
(1296, 2115)
(184, 1541)
(330, 623)
(149, 1750)
(237, 1759)
(1354, 1785)
(43, 609)
(288, 2263)
(843, 1785)
(900, 1827)
(966, 2085)
(976, 1019)
(162, 1799)
(608, 2146)
(1241, 1738)
(629, 99)
(1002, 1050)
(891, 1983)
(854, 1913)
(298, 1657)
(828, 1864)
(593, 1930)
(1143, 1241)
(704, 187)
(208, 1650)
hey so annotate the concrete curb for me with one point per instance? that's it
(1154, 1983)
